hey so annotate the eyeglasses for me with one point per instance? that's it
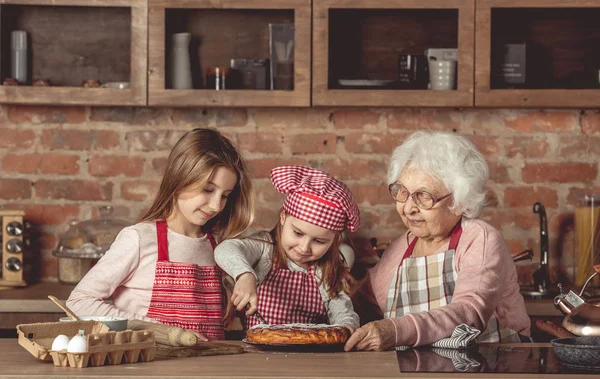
(423, 200)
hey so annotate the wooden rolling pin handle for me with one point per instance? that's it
(166, 334)
(181, 337)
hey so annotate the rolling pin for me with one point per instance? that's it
(166, 334)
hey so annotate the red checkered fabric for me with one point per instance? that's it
(316, 197)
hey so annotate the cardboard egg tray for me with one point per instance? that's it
(104, 347)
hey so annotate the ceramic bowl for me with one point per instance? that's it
(581, 352)
(114, 323)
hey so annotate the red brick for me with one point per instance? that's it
(60, 164)
(133, 116)
(260, 142)
(373, 169)
(231, 117)
(355, 118)
(372, 194)
(139, 190)
(313, 143)
(576, 195)
(261, 168)
(15, 188)
(73, 190)
(48, 241)
(266, 193)
(159, 165)
(492, 198)
(291, 118)
(543, 121)
(152, 140)
(68, 139)
(505, 218)
(498, 172)
(527, 147)
(559, 172)
(421, 119)
(107, 165)
(590, 122)
(579, 146)
(16, 138)
(489, 146)
(49, 268)
(515, 246)
(49, 214)
(528, 195)
(19, 114)
(366, 143)
(193, 117)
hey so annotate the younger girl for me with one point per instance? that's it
(298, 266)
(163, 268)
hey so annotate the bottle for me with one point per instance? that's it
(181, 71)
(18, 62)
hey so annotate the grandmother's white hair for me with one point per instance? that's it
(449, 158)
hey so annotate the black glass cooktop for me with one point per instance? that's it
(488, 359)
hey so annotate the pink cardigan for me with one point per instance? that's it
(486, 285)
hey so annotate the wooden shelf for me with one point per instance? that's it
(366, 37)
(226, 29)
(75, 40)
(562, 59)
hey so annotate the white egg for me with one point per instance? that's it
(60, 342)
(77, 344)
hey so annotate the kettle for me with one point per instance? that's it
(582, 318)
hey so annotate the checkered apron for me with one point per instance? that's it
(185, 294)
(424, 283)
(290, 297)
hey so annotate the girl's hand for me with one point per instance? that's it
(244, 293)
(376, 336)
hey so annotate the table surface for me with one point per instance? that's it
(526, 361)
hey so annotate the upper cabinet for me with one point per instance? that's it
(383, 53)
(537, 53)
(229, 53)
(73, 52)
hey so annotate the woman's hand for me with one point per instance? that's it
(376, 336)
(244, 293)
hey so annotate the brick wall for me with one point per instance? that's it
(59, 163)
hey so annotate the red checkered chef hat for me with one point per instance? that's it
(316, 197)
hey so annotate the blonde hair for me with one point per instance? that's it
(191, 163)
(335, 273)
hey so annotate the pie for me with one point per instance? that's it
(299, 334)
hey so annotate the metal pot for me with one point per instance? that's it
(582, 318)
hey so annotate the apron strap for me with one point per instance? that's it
(211, 239)
(163, 244)
(454, 238)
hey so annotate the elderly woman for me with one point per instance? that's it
(449, 268)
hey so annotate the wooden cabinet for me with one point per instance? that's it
(361, 40)
(221, 30)
(561, 39)
(72, 41)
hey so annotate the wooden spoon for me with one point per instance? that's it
(62, 306)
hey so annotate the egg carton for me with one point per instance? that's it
(104, 347)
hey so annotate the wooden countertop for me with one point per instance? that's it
(16, 362)
(34, 298)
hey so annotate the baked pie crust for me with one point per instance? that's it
(300, 334)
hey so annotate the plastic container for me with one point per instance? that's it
(84, 243)
(587, 234)
(18, 62)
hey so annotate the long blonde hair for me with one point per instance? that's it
(192, 162)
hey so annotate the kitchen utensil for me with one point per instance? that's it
(229, 284)
(578, 352)
(166, 334)
(66, 309)
(114, 323)
(15, 238)
(582, 318)
(201, 349)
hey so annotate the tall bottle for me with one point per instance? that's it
(18, 61)
(181, 71)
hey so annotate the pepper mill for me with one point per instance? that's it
(18, 62)
(181, 71)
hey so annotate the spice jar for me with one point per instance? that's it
(84, 243)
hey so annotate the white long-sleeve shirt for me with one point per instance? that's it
(238, 256)
(126, 272)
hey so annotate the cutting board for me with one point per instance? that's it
(201, 349)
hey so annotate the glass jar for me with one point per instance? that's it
(83, 243)
(587, 234)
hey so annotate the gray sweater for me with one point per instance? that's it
(238, 256)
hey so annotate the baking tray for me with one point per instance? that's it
(309, 348)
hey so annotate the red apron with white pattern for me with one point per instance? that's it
(290, 297)
(185, 294)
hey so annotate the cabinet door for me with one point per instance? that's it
(78, 52)
(365, 52)
(221, 31)
(537, 53)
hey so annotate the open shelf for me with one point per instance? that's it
(357, 45)
(72, 41)
(221, 30)
(554, 60)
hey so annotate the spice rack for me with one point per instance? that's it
(222, 30)
(74, 41)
